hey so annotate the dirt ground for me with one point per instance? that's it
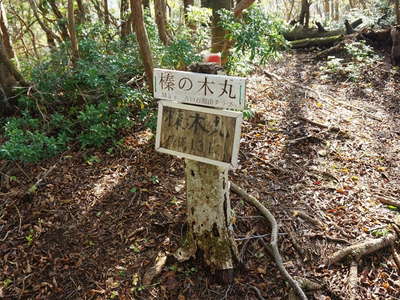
(96, 223)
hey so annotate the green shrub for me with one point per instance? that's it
(258, 37)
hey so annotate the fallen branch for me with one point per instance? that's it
(273, 246)
(358, 250)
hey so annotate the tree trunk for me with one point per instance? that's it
(143, 41)
(395, 53)
(217, 33)
(304, 17)
(336, 9)
(9, 78)
(124, 16)
(72, 32)
(81, 12)
(208, 216)
(326, 9)
(5, 34)
(106, 14)
(160, 15)
(47, 30)
(60, 23)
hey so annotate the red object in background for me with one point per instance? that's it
(213, 57)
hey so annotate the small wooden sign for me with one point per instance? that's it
(198, 133)
(201, 89)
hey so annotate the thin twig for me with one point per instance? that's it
(273, 246)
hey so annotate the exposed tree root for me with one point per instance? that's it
(353, 278)
(358, 250)
(273, 246)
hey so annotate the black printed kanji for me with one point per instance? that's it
(167, 81)
(185, 84)
(225, 90)
(205, 86)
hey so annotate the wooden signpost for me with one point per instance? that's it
(198, 133)
(209, 140)
(218, 91)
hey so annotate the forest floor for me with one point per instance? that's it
(95, 224)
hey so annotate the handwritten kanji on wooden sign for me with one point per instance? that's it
(201, 89)
(198, 133)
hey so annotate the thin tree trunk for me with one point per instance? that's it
(81, 12)
(160, 15)
(61, 24)
(289, 15)
(304, 17)
(397, 11)
(124, 16)
(106, 13)
(217, 32)
(143, 41)
(336, 6)
(326, 9)
(47, 30)
(72, 32)
(5, 34)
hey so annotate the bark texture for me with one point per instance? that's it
(208, 216)
(143, 41)
(72, 32)
(160, 9)
(395, 53)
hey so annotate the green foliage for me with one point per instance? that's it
(90, 103)
(30, 141)
(358, 56)
(258, 37)
(179, 55)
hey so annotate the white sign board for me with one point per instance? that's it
(200, 89)
(208, 135)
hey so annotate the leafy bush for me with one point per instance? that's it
(258, 37)
(90, 103)
(26, 140)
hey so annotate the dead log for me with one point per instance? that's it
(300, 33)
(316, 42)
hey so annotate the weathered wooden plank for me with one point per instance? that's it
(207, 135)
(200, 89)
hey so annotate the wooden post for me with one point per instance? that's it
(209, 218)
